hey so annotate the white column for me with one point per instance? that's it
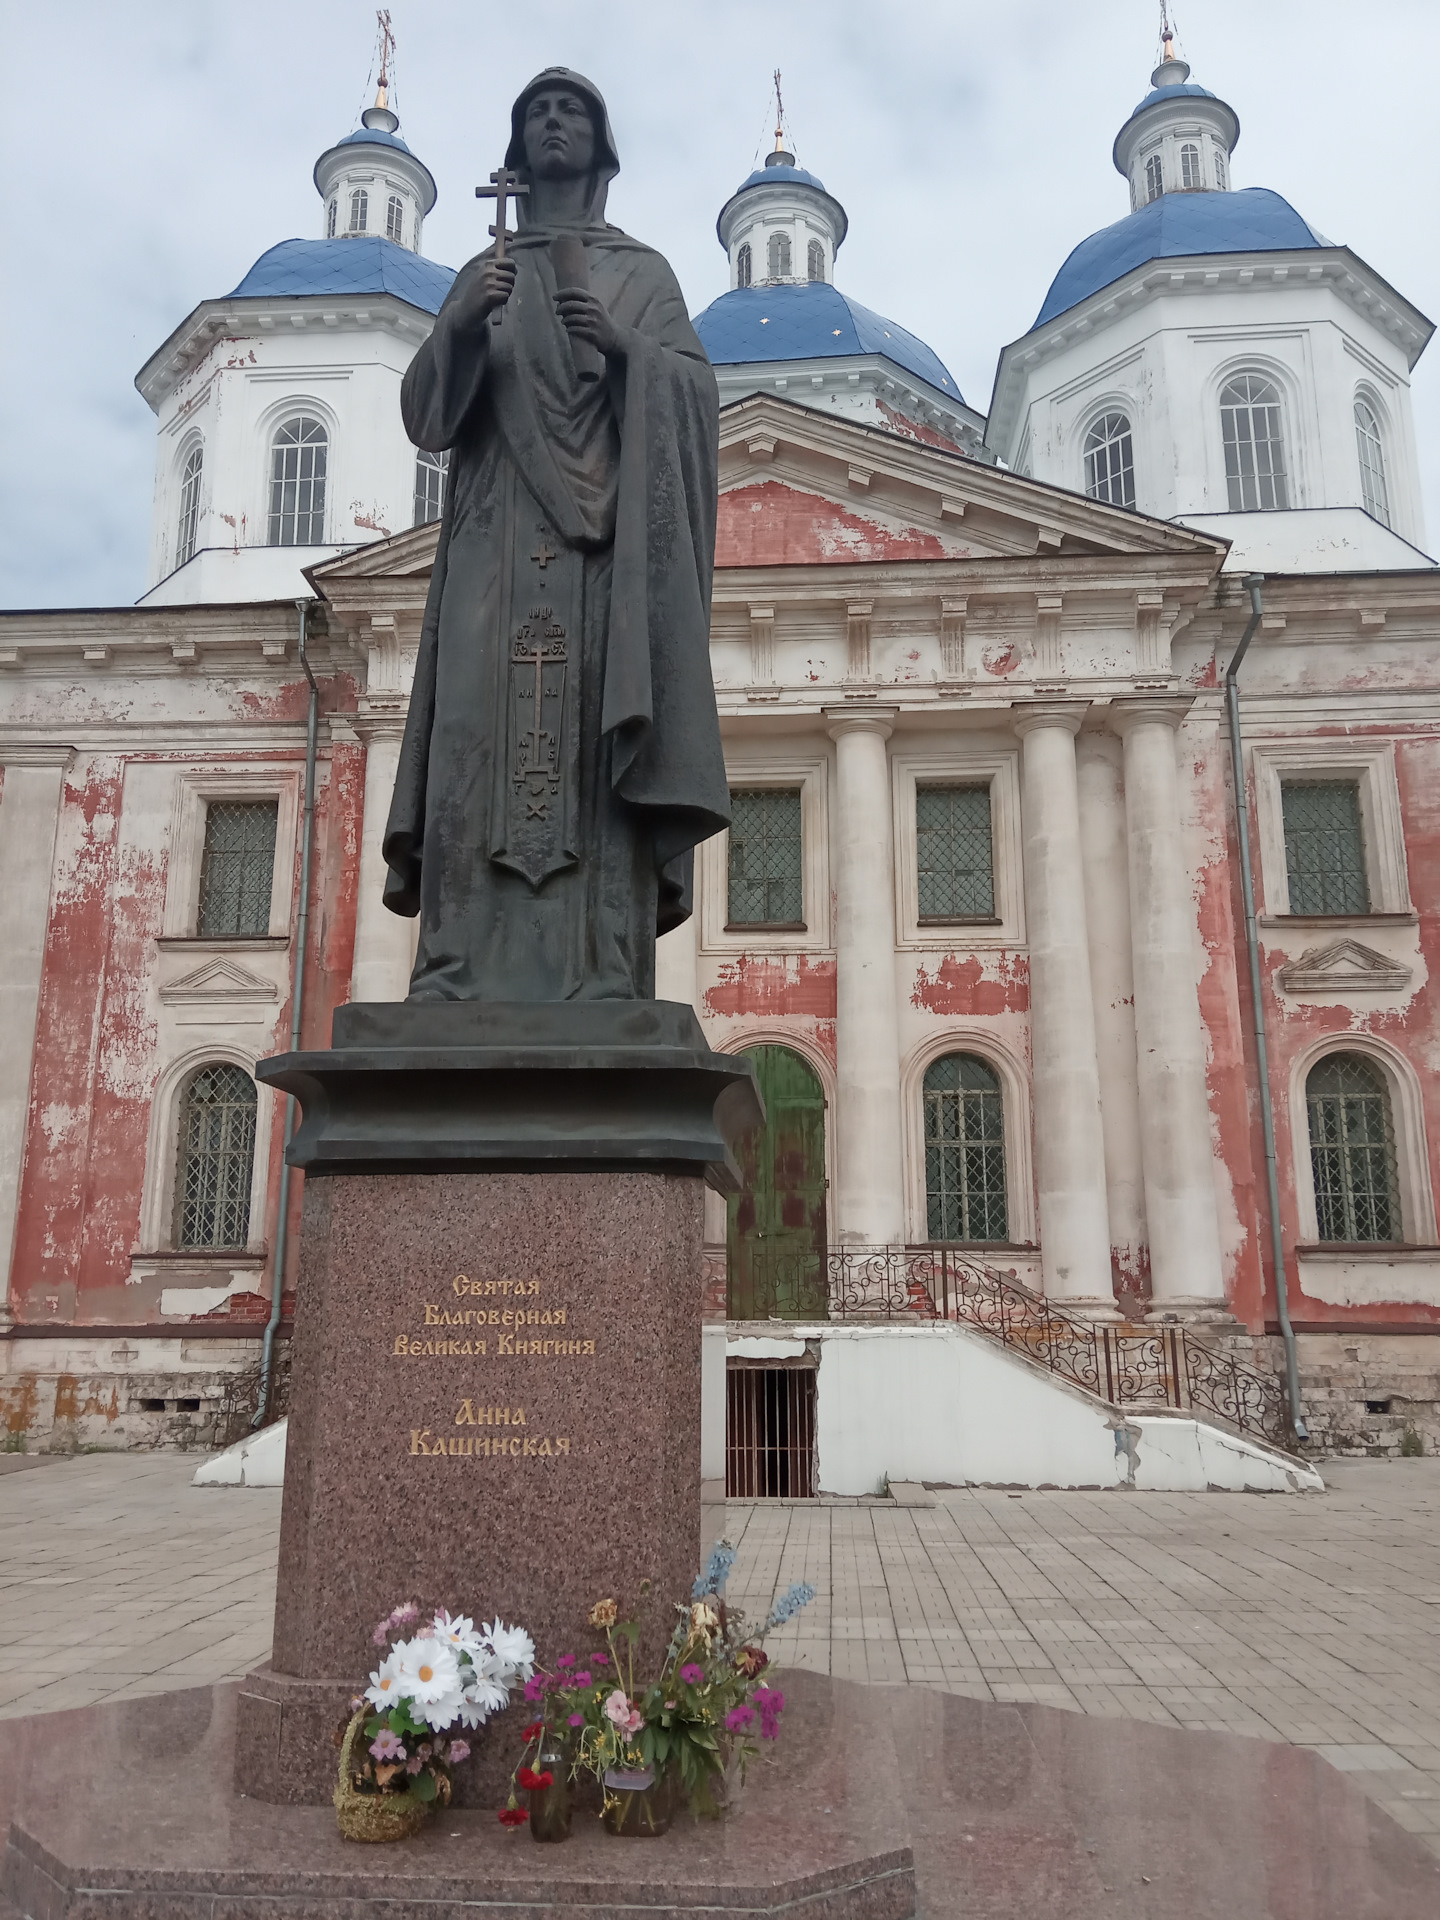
(383, 940)
(677, 957)
(29, 813)
(1176, 1151)
(870, 1205)
(1069, 1143)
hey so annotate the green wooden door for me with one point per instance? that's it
(776, 1227)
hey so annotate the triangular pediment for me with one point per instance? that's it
(1345, 966)
(219, 978)
(399, 556)
(800, 486)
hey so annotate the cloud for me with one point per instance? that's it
(160, 150)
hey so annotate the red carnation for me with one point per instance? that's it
(514, 1816)
(533, 1731)
(532, 1781)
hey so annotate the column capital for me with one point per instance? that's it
(1164, 710)
(380, 719)
(1069, 715)
(35, 753)
(843, 720)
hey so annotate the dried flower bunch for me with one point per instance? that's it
(450, 1672)
(700, 1716)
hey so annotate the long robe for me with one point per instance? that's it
(562, 753)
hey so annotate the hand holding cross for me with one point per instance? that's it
(504, 185)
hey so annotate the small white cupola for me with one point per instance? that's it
(371, 183)
(780, 226)
(1180, 137)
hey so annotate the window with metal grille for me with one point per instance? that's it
(430, 472)
(743, 268)
(1250, 426)
(1352, 1150)
(330, 213)
(964, 1150)
(1373, 489)
(1189, 165)
(359, 210)
(1324, 846)
(298, 457)
(1222, 176)
(237, 868)
(1154, 178)
(779, 255)
(1110, 461)
(395, 218)
(189, 505)
(216, 1160)
(766, 858)
(769, 1433)
(954, 851)
(815, 260)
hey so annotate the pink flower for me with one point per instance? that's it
(535, 1688)
(617, 1708)
(566, 1660)
(577, 1719)
(739, 1719)
(387, 1746)
(692, 1674)
(381, 1634)
(599, 1659)
(404, 1614)
(414, 1763)
(459, 1750)
(584, 1679)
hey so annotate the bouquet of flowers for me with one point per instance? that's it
(407, 1729)
(700, 1715)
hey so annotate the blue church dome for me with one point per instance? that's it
(362, 263)
(812, 321)
(1251, 220)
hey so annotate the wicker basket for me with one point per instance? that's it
(372, 1816)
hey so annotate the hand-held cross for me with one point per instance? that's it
(504, 185)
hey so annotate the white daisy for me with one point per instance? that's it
(512, 1647)
(429, 1669)
(480, 1699)
(456, 1631)
(386, 1685)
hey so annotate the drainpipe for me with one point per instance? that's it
(297, 1008)
(1253, 583)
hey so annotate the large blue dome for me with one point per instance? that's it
(1252, 220)
(813, 321)
(363, 263)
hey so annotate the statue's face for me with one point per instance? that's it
(559, 136)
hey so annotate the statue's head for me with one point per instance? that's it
(559, 130)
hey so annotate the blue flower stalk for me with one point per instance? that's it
(711, 1582)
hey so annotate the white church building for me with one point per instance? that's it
(1043, 1185)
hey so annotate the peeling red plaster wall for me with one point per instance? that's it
(960, 987)
(760, 985)
(913, 430)
(771, 525)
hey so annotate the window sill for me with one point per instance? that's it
(766, 926)
(222, 942)
(205, 1257)
(959, 920)
(1365, 1250)
(1281, 920)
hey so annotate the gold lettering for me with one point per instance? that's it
(432, 1314)
(465, 1415)
(418, 1437)
(545, 1449)
(528, 1448)
(519, 1420)
(562, 1446)
(588, 1348)
(507, 1344)
(402, 1343)
(560, 1316)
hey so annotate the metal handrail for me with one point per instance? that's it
(1123, 1365)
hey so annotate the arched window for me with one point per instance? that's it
(964, 1150)
(742, 266)
(779, 256)
(189, 504)
(1222, 177)
(1189, 165)
(359, 210)
(395, 219)
(1352, 1150)
(1154, 178)
(1373, 490)
(815, 260)
(1250, 426)
(330, 213)
(430, 472)
(1110, 461)
(216, 1159)
(297, 483)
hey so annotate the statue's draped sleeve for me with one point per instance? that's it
(658, 504)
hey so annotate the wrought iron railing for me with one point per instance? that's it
(1127, 1366)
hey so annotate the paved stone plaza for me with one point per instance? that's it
(1309, 1620)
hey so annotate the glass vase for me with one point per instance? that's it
(550, 1806)
(638, 1806)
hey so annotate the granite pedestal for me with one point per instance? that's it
(496, 1373)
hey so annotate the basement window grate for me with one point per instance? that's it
(769, 1433)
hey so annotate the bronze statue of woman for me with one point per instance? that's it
(562, 753)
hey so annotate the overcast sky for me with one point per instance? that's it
(154, 150)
